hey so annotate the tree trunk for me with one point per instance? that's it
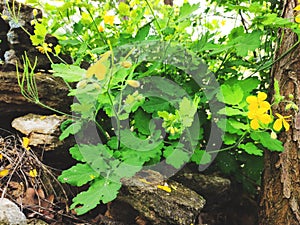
(280, 196)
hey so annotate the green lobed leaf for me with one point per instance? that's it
(143, 33)
(231, 95)
(251, 149)
(137, 157)
(247, 42)
(78, 175)
(265, 139)
(187, 9)
(154, 104)
(237, 125)
(130, 140)
(76, 154)
(141, 121)
(230, 139)
(40, 32)
(71, 129)
(229, 111)
(176, 156)
(187, 110)
(232, 126)
(85, 109)
(70, 73)
(101, 190)
(201, 157)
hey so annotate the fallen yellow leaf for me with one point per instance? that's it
(33, 173)
(25, 143)
(165, 188)
(4, 172)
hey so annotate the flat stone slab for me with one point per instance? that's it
(42, 131)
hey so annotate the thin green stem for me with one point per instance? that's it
(230, 147)
(278, 59)
(110, 95)
(155, 18)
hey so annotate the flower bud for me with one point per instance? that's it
(288, 106)
(126, 64)
(273, 135)
(34, 12)
(133, 83)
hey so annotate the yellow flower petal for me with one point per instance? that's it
(265, 118)
(251, 99)
(25, 143)
(33, 173)
(165, 188)
(253, 107)
(1, 156)
(277, 125)
(251, 115)
(286, 125)
(265, 105)
(254, 124)
(261, 96)
(297, 8)
(109, 19)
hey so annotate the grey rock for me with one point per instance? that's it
(10, 214)
(178, 205)
(41, 130)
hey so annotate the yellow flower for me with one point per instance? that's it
(108, 19)
(44, 48)
(258, 116)
(258, 108)
(258, 102)
(281, 121)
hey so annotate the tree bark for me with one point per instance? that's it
(280, 195)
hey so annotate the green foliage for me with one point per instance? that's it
(159, 122)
